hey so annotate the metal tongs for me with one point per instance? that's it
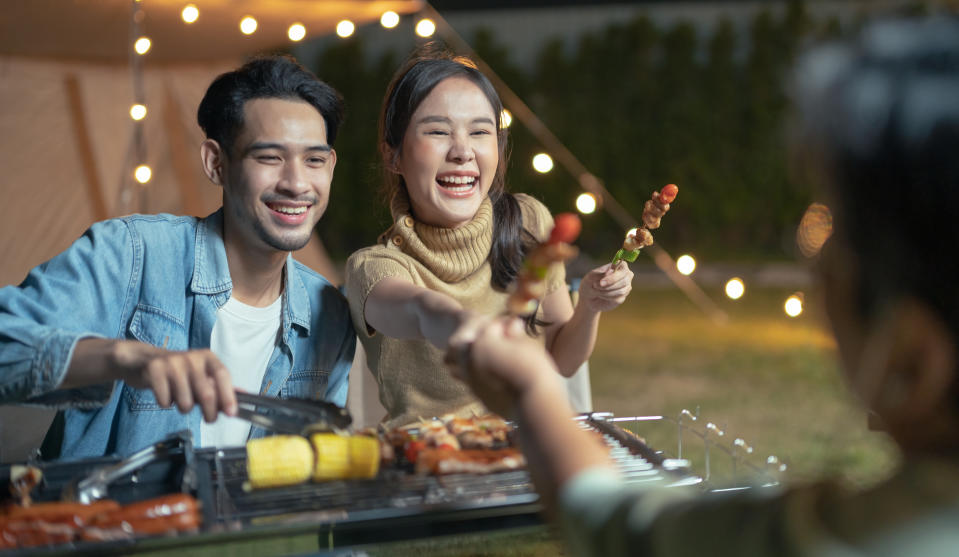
(297, 416)
(96, 485)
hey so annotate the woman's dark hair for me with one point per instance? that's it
(883, 116)
(271, 77)
(424, 70)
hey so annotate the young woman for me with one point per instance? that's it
(456, 244)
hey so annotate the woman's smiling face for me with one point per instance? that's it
(449, 154)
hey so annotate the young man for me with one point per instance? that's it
(880, 126)
(148, 312)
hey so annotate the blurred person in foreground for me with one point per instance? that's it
(146, 324)
(880, 127)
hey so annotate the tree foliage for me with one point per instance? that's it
(640, 106)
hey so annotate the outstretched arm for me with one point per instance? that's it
(400, 309)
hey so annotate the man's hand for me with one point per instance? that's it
(182, 377)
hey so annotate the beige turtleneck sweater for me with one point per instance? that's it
(413, 381)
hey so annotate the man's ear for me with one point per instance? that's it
(213, 159)
(912, 358)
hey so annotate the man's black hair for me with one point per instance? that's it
(271, 77)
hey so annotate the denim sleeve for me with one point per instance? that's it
(82, 292)
(339, 381)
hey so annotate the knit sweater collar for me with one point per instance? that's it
(451, 254)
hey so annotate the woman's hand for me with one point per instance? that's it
(606, 287)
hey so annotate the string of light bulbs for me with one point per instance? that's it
(593, 197)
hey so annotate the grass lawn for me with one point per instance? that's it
(763, 376)
(772, 380)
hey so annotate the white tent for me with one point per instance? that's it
(66, 86)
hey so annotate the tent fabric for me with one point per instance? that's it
(49, 194)
(69, 148)
(100, 30)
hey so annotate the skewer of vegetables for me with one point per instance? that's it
(640, 237)
(531, 283)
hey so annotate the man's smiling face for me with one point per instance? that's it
(277, 175)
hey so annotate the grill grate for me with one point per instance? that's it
(397, 490)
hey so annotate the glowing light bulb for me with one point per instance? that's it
(296, 32)
(143, 174)
(586, 203)
(793, 305)
(389, 19)
(425, 28)
(542, 163)
(686, 264)
(345, 28)
(142, 46)
(248, 25)
(190, 13)
(138, 112)
(735, 288)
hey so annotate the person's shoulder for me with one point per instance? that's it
(137, 229)
(376, 255)
(158, 220)
(148, 225)
(537, 220)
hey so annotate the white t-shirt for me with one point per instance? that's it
(243, 338)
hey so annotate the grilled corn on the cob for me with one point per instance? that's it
(364, 456)
(290, 459)
(279, 460)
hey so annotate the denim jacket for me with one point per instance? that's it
(158, 279)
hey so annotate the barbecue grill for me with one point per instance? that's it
(396, 505)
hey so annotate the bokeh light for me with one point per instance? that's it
(793, 305)
(142, 46)
(586, 203)
(542, 163)
(505, 119)
(248, 25)
(143, 173)
(815, 227)
(190, 13)
(138, 112)
(425, 28)
(296, 32)
(686, 264)
(735, 288)
(390, 19)
(345, 28)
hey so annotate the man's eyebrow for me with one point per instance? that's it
(262, 145)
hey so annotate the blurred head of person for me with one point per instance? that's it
(879, 131)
